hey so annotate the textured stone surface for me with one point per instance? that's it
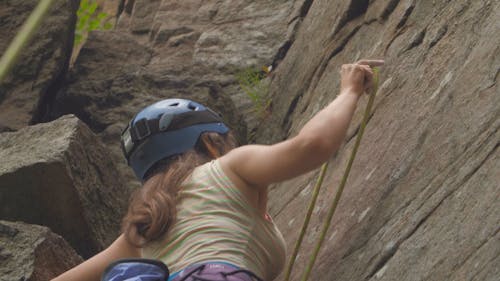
(33, 253)
(59, 175)
(42, 65)
(422, 199)
(111, 7)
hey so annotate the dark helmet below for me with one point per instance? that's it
(164, 129)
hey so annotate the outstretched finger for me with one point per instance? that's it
(371, 63)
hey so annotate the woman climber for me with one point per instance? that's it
(202, 209)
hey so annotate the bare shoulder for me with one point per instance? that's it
(261, 165)
(238, 160)
(251, 192)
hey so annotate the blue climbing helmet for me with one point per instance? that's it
(164, 129)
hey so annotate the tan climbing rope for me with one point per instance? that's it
(310, 209)
(335, 201)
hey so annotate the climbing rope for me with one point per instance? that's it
(310, 209)
(22, 38)
(334, 204)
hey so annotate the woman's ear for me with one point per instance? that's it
(211, 148)
(213, 152)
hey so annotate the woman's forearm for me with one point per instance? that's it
(89, 270)
(93, 268)
(329, 126)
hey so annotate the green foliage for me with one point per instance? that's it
(251, 81)
(89, 19)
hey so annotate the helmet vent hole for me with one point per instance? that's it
(174, 104)
(192, 107)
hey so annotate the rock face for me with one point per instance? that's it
(422, 199)
(59, 175)
(164, 49)
(43, 64)
(33, 253)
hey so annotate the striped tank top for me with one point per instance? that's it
(215, 222)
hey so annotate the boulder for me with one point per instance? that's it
(59, 174)
(40, 70)
(33, 253)
(422, 199)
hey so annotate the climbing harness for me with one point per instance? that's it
(155, 270)
(333, 206)
(214, 271)
(136, 270)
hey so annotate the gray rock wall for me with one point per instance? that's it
(422, 199)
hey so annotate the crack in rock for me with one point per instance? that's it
(391, 6)
(406, 15)
(438, 36)
(354, 10)
(415, 41)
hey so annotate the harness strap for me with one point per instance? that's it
(214, 271)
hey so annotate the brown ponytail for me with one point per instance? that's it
(152, 208)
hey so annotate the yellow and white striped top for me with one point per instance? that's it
(215, 222)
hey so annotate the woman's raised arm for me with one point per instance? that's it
(261, 165)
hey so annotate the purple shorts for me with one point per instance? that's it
(214, 271)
